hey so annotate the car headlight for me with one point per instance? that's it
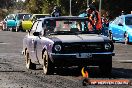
(57, 47)
(107, 46)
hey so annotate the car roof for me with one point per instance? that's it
(23, 13)
(127, 15)
(42, 14)
(64, 17)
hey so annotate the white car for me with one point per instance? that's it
(66, 41)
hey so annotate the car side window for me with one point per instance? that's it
(121, 21)
(34, 18)
(39, 26)
(116, 21)
(128, 20)
(34, 27)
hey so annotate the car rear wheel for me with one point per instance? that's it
(48, 67)
(106, 66)
(29, 64)
(17, 28)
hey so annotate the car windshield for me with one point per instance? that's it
(66, 26)
(20, 16)
(26, 17)
(10, 17)
(128, 20)
(41, 16)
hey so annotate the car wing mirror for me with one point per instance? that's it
(14, 19)
(36, 33)
(120, 24)
(5, 19)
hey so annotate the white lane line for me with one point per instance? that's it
(129, 61)
(3, 43)
(121, 74)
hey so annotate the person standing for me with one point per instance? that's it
(56, 12)
(96, 21)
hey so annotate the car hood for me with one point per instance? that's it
(11, 22)
(27, 21)
(78, 38)
(130, 26)
(27, 25)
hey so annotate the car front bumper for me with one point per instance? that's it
(81, 58)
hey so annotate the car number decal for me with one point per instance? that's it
(84, 55)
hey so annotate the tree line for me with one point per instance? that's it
(111, 8)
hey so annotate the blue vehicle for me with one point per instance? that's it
(104, 25)
(83, 14)
(120, 29)
(10, 22)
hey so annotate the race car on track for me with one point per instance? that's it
(64, 42)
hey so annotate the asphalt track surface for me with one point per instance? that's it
(13, 73)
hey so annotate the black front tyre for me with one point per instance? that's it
(17, 29)
(48, 67)
(126, 37)
(106, 66)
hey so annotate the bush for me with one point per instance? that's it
(3, 13)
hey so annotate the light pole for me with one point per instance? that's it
(87, 3)
(70, 8)
(100, 6)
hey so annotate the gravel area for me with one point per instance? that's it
(13, 73)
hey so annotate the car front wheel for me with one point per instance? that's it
(126, 37)
(106, 66)
(110, 35)
(17, 29)
(48, 67)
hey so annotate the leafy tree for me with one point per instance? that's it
(7, 3)
(112, 8)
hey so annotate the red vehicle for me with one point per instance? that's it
(2, 25)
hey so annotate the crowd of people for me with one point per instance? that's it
(96, 22)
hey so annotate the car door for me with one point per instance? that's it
(39, 46)
(42, 41)
(114, 28)
(32, 43)
(121, 29)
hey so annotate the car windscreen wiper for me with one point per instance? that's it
(62, 33)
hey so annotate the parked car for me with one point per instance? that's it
(120, 27)
(27, 23)
(19, 18)
(62, 41)
(9, 22)
(1, 25)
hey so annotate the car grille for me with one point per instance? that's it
(82, 47)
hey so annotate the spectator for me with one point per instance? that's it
(56, 12)
(122, 12)
(96, 18)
